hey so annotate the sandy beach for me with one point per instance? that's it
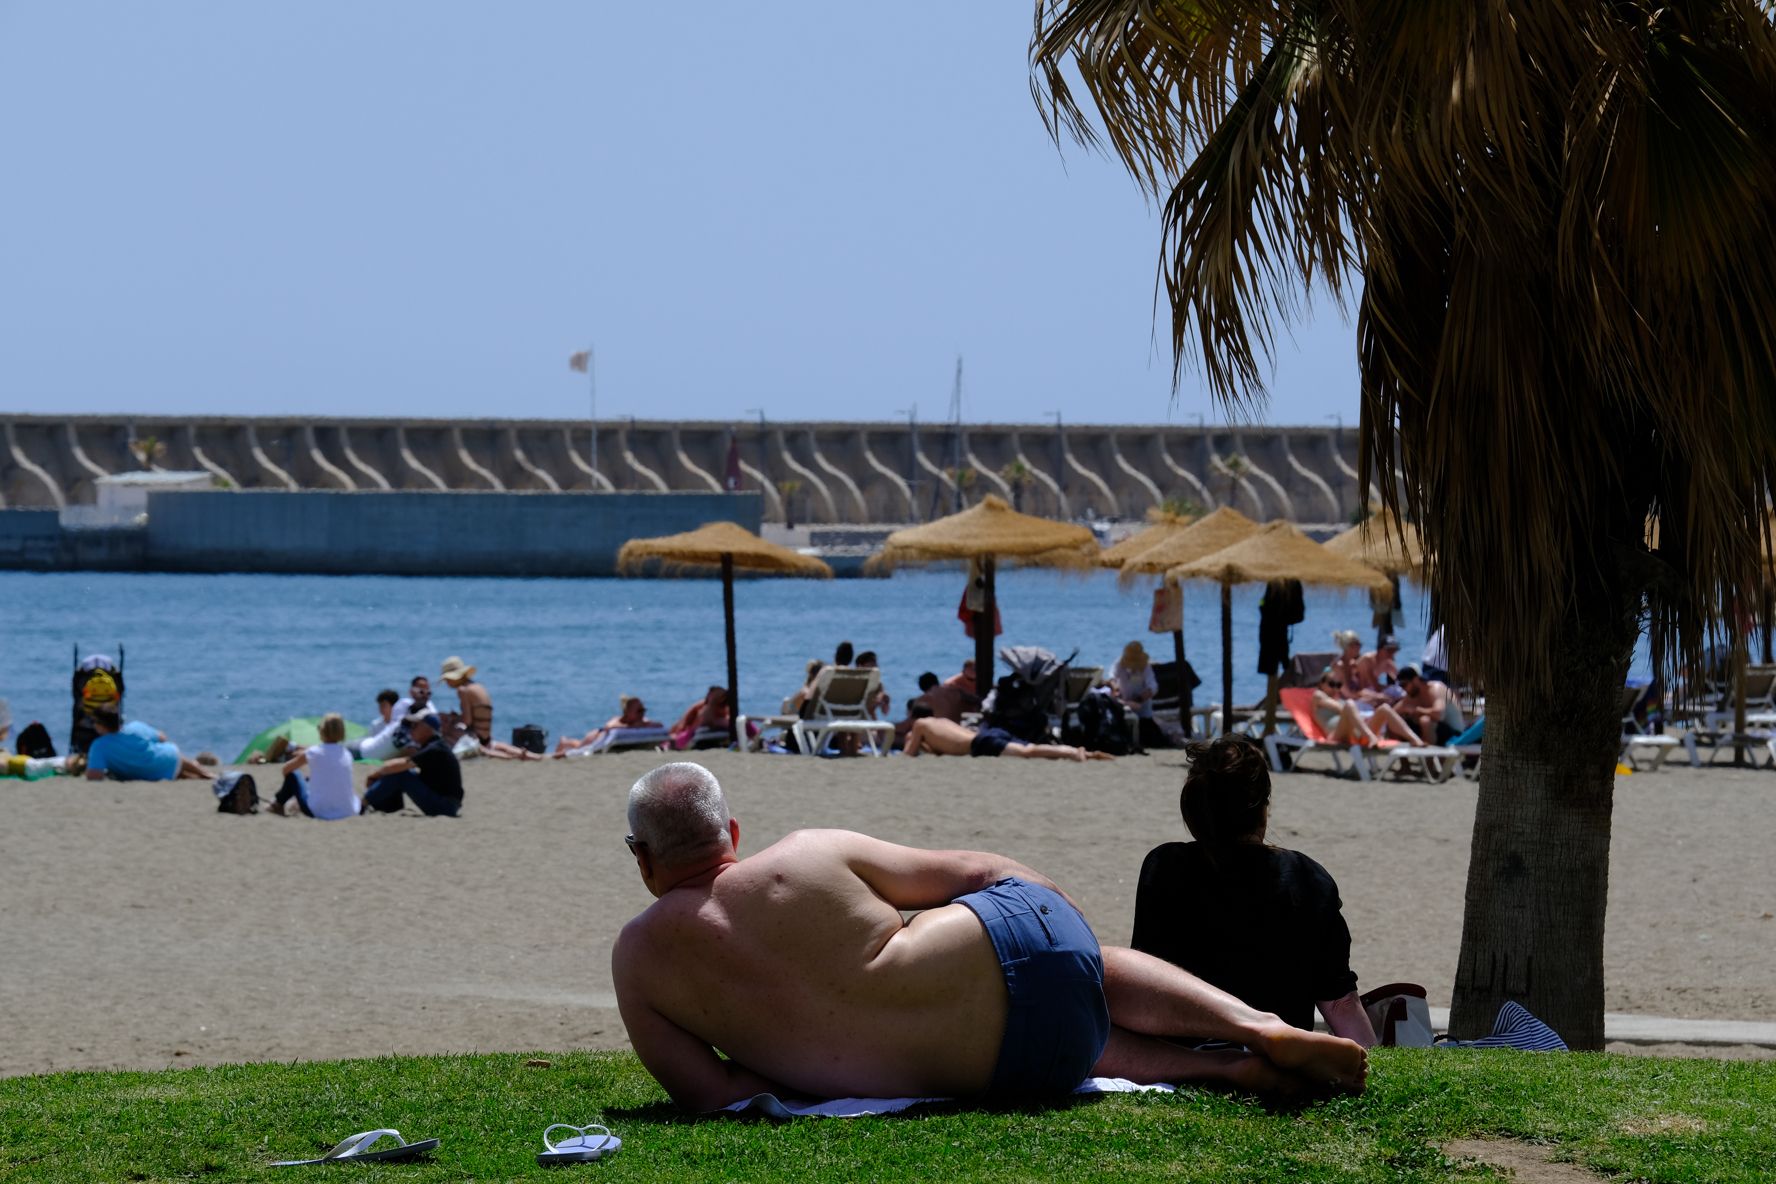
(141, 929)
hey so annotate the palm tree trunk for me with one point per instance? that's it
(1538, 871)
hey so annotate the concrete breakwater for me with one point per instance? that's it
(393, 533)
(827, 473)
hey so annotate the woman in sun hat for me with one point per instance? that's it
(476, 707)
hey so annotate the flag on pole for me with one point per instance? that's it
(580, 361)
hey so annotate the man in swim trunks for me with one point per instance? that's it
(941, 737)
(793, 972)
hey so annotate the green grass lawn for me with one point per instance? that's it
(1638, 1118)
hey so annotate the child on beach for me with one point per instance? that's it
(327, 792)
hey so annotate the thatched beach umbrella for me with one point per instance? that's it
(1162, 527)
(1382, 542)
(727, 546)
(1275, 552)
(987, 533)
(1207, 535)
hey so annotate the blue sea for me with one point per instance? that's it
(213, 659)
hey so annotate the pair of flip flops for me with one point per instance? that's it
(585, 1144)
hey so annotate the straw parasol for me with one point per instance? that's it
(1275, 552)
(1382, 542)
(1212, 532)
(1161, 525)
(727, 546)
(986, 533)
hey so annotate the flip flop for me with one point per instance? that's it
(586, 1144)
(358, 1147)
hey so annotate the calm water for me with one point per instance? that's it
(213, 659)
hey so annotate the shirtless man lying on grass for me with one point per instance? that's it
(796, 964)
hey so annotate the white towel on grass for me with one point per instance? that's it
(771, 1106)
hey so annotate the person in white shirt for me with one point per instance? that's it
(327, 792)
(382, 743)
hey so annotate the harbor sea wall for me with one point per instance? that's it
(825, 473)
(393, 533)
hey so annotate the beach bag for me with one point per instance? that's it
(236, 793)
(1400, 1016)
(530, 738)
(35, 741)
(1103, 723)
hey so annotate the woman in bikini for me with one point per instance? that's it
(1344, 724)
(476, 717)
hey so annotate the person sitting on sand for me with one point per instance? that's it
(1343, 723)
(631, 713)
(793, 972)
(326, 793)
(136, 752)
(383, 740)
(709, 712)
(475, 717)
(1258, 921)
(431, 777)
(941, 737)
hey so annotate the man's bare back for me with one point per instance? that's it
(822, 986)
(797, 965)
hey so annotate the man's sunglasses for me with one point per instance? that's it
(629, 841)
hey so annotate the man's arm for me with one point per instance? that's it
(399, 765)
(1345, 1017)
(912, 878)
(698, 1079)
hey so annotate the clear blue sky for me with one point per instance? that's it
(407, 208)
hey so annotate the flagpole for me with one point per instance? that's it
(592, 381)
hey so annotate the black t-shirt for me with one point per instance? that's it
(439, 769)
(1259, 922)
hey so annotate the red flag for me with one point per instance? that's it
(581, 361)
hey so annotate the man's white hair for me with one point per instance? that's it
(680, 812)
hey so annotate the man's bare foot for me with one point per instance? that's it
(1098, 756)
(1318, 1058)
(1255, 1075)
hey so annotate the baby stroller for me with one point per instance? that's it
(1027, 702)
(98, 686)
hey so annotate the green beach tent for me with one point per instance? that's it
(301, 731)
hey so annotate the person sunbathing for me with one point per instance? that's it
(631, 713)
(941, 737)
(1343, 723)
(710, 712)
(793, 971)
(1258, 921)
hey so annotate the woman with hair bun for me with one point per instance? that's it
(1261, 922)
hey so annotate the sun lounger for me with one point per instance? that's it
(1438, 762)
(1635, 736)
(632, 739)
(838, 705)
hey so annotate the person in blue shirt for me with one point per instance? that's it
(136, 752)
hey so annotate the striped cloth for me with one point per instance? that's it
(1514, 1028)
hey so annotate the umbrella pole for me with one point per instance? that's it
(1226, 658)
(733, 666)
(983, 631)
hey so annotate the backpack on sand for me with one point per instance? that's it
(236, 793)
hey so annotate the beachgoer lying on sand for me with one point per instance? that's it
(1276, 937)
(711, 711)
(632, 713)
(940, 737)
(136, 752)
(432, 776)
(797, 965)
(475, 717)
(326, 792)
(1343, 723)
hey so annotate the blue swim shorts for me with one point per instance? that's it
(989, 742)
(1058, 1023)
